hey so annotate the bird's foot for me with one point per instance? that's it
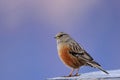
(77, 74)
(70, 75)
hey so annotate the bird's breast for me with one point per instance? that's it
(67, 58)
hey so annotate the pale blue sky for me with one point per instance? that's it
(28, 50)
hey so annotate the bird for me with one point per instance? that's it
(73, 55)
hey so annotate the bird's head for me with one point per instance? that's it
(61, 36)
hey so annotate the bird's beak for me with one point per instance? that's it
(55, 37)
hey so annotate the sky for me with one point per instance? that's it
(28, 50)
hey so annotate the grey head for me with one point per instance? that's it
(62, 37)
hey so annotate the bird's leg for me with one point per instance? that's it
(70, 75)
(77, 73)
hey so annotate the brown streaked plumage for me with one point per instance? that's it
(73, 55)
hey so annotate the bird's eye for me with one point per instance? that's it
(60, 35)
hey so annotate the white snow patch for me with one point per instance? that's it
(113, 75)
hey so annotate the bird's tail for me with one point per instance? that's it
(96, 65)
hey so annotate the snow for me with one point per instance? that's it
(113, 75)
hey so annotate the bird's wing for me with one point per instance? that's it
(79, 52)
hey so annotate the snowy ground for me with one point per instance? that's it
(113, 75)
